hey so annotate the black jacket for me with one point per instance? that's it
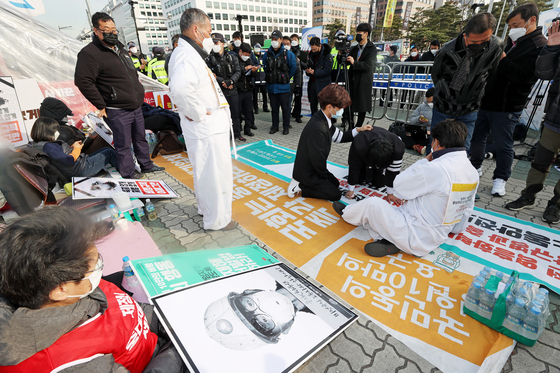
(322, 68)
(467, 100)
(302, 55)
(508, 88)
(428, 57)
(546, 68)
(361, 77)
(310, 166)
(359, 164)
(246, 81)
(107, 78)
(226, 68)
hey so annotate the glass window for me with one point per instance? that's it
(153, 35)
(291, 12)
(153, 7)
(218, 16)
(269, 9)
(246, 27)
(216, 5)
(159, 35)
(149, 42)
(225, 17)
(226, 27)
(258, 28)
(259, 18)
(257, 9)
(252, 18)
(244, 7)
(210, 15)
(224, 5)
(143, 13)
(253, 28)
(141, 6)
(237, 6)
(231, 6)
(209, 4)
(269, 20)
(219, 27)
(149, 14)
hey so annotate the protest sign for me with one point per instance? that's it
(97, 187)
(12, 127)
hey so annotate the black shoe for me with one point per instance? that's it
(339, 207)
(240, 138)
(266, 110)
(286, 131)
(551, 214)
(298, 120)
(256, 110)
(521, 203)
(136, 175)
(381, 248)
(273, 130)
(289, 126)
(154, 169)
(242, 118)
(248, 133)
(253, 127)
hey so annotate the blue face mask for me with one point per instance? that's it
(338, 114)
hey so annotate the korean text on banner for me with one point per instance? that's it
(390, 13)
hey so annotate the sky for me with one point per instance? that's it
(69, 13)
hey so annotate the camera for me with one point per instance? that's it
(551, 22)
(342, 42)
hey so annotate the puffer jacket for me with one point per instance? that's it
(423, 110)
(322, 67)
(448, 59)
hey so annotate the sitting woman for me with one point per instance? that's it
(58, 314)
(311, 176)
(69, 159)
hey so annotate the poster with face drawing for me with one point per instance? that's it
(266, 320)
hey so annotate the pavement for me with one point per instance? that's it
(364, 347)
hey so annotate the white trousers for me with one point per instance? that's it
(213, 178)
(383, 220)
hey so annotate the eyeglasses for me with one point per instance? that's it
(98, 266)
(116, 32)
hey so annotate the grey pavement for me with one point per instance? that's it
(364, 347)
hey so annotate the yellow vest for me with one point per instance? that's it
(157, 67)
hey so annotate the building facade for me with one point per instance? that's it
(351, 12)
(401, 6)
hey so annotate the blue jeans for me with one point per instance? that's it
(501, 125)
(469, 120)
(97, 160)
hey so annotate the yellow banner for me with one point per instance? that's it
(389, 13)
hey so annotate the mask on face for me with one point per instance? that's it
(244, 58)
(414, 54)
(431, 104)
(94, 279)
(237, 43)
(56, 134)
(477, 48)
(516, 33)
(287, 47)
(207, 43)
(434, 51)
(257, 50)
(358, 37)
(216, 48)
(110, 39)
(133, 50)
(338, 114)
(295, 43)
(275, 44)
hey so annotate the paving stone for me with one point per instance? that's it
(408, 354)
(523, 362)
(319, 362)
(550, 339)
(409, 368)
(385, 360)
(364, 336)
(351, 351)
(543, 352)
(340, 367)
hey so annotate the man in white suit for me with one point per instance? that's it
(205, 119)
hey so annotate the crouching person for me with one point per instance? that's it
(57, 314)
(437, 196)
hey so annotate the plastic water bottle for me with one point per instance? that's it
(500, 275)
(138, 213)
(150, 210)
(482, 280)
(129, 273)
(488, 270)
(531, 324)
(486, 304)
(537, 303)
(514, 316)
(115, 214)
(473, 296)
(543, 293)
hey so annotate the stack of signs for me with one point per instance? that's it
(265, 320)
(97, 187)
(12, 127)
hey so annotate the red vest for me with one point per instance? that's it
(122, 331)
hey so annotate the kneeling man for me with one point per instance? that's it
(437, 193)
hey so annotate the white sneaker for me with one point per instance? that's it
(499, 188)
(293, 188)
(479, 170)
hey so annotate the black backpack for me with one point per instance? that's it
(168, 143)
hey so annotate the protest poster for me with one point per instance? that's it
(166, 273)
(266, 320)
(12, 127)
(98, 187)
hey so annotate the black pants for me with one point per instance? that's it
(312, 96)
(328, 190)
(361, 118)
(233, 102)
(262, 90)
(296, 111)
(278, 100)
(246, 107)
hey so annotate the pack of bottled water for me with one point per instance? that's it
(526, 303)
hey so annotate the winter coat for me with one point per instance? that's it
(149, 111)
(296, 82)
(107, 77)
(58, 110)
(546, 68)
(214, 60)
(361, 77)
(322, 68)
(246, 81)
(508, 88)
(428, 57)
(69, 168)
(276, 88)
(423, 110)
(392, 59)
(448, 59)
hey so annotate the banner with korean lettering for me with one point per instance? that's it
(407, 13)
(389, 13)
(167, 273)
(12, 127)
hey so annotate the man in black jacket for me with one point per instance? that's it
(106, 76)
(245, 87)
(302, 60)
(506, 93)
(430, 55)
(362, 59)
(319, 67)
(460, 72)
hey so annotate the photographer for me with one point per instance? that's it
(362, 59)
(319, 67)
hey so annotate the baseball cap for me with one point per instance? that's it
(276, 34)
(158, 51)
(218, 37)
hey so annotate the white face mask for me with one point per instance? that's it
(287, 47)
(94, 279)
(434, 51)
(244, 58)
(275, 44)
(257, 50)
(414, 54)
(56, 134)
(133, 50)
(216, 48)
(430, 104)
(237, 43)
(207, 43)
(295, 43)
(516, 33)
(338, 114)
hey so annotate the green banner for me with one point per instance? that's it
(166, 273)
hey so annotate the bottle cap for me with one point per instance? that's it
(148, 200)
(489, 292)
(125, 259)
(500, 274)
(520, 302)
(543, 291)
(537, 303)
(483, 273)
(535, 310)
(480, 279)
(477, 284)
(488, 269)
(111, 206)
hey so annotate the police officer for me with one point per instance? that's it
(225, 67)
(245, 87)
(302, 59)
(260, 82)
(296, 81)
(279, 65)
(138, 59)
(156, 66)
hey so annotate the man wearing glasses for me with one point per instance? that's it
(106, 76)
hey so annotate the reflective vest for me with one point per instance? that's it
(122, 330)
(136, 62)
(156, 70)
(260, 75)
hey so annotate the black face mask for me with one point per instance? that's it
(358, 37)
(475, 49)
(110, 39)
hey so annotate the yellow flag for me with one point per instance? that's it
(390, 13)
